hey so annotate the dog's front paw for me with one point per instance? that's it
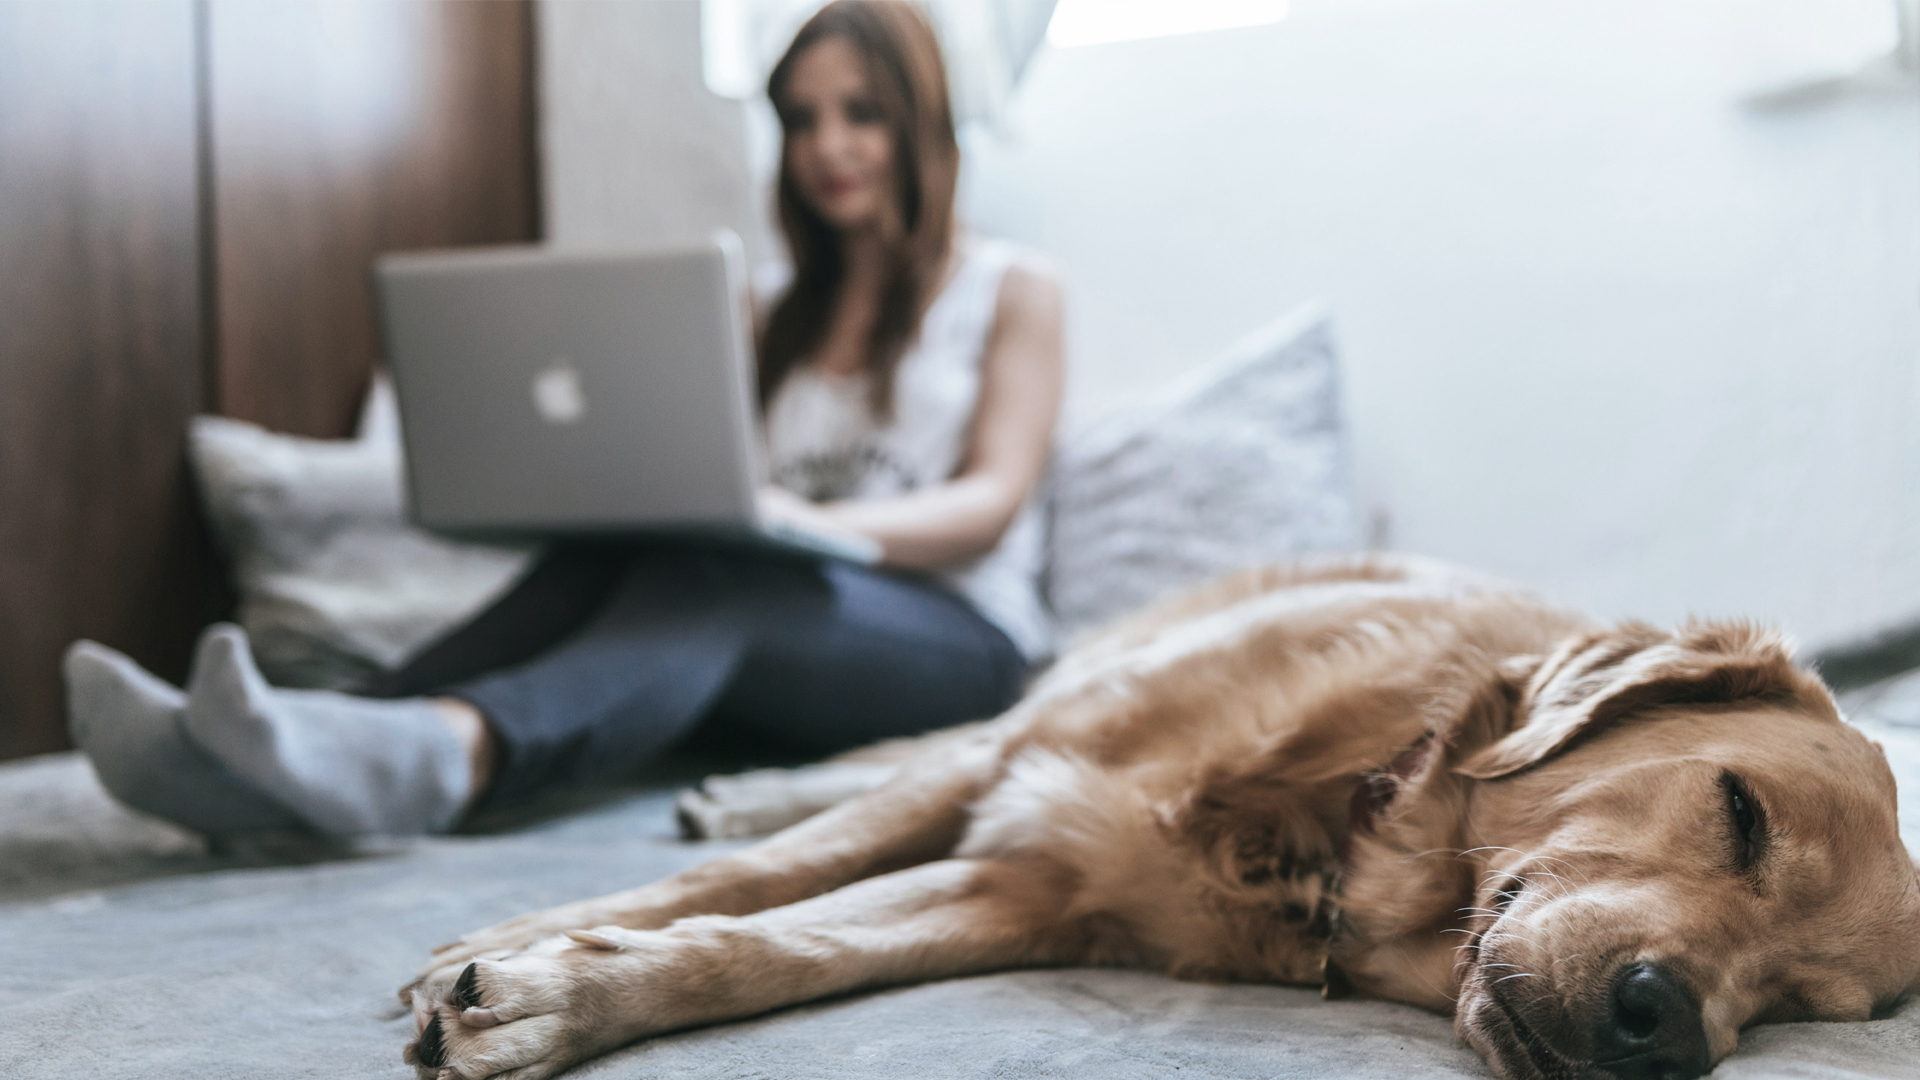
(523, 1016)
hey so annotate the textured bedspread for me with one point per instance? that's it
(129, 950)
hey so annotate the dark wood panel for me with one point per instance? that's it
(341, 129)
(100, 351)
(160, 253)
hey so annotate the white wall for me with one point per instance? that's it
(1608, 331)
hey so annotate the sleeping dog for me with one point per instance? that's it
(1603, 850)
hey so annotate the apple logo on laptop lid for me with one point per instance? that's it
(557, 396)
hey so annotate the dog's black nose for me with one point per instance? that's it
(1652, 1028)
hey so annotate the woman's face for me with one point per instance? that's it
(839, 150)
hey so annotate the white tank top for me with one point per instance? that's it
(824, 443)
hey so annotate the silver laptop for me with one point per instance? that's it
(546, 393)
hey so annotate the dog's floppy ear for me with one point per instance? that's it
(1914, 987)
(1597, 678)
(1915, 984)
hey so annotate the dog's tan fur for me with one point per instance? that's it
(1179, 794)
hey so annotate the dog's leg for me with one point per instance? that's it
(916, 817)
(767, 800)
(534, 1013)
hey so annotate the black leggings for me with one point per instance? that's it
(602, 656)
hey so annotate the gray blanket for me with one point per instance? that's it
(128, 949)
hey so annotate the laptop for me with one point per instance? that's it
(548, 394)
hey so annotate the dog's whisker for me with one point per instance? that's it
(1570, 867)
(1494, 847)
(1497, 934)
(1431, 851)
(1533, 898)
(1548, 875)
(1517, 975)
(1525, 856)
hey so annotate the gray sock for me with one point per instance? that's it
(349, 766)
(131, 726)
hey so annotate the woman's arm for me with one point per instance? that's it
(1012, 437)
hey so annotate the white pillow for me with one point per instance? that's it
(334, 584)
(1240, 463)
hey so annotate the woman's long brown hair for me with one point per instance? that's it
(909, 84)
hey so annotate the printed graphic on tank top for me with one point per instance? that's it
(824, 443)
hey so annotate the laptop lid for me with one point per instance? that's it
(547, 392)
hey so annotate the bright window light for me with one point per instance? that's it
(1097, 22)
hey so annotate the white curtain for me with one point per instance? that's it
(1907, 52)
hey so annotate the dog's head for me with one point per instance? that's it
(1683, 839)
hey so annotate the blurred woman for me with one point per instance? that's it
(910, 377)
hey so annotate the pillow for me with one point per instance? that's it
(335, 585)
(1240, 463)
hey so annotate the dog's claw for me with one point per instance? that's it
(431, 1051)
(479, 1018)
(466, 991)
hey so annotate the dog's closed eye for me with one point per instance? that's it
(1746, 822)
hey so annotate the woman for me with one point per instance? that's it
(909, 380)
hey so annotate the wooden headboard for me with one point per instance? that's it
(190, 197)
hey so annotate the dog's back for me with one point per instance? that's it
(1193, 768)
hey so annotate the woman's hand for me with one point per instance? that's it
(778, 505)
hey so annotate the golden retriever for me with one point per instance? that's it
(1603, 850)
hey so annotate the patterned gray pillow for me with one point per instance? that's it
(334, 584)
(1240, 463)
